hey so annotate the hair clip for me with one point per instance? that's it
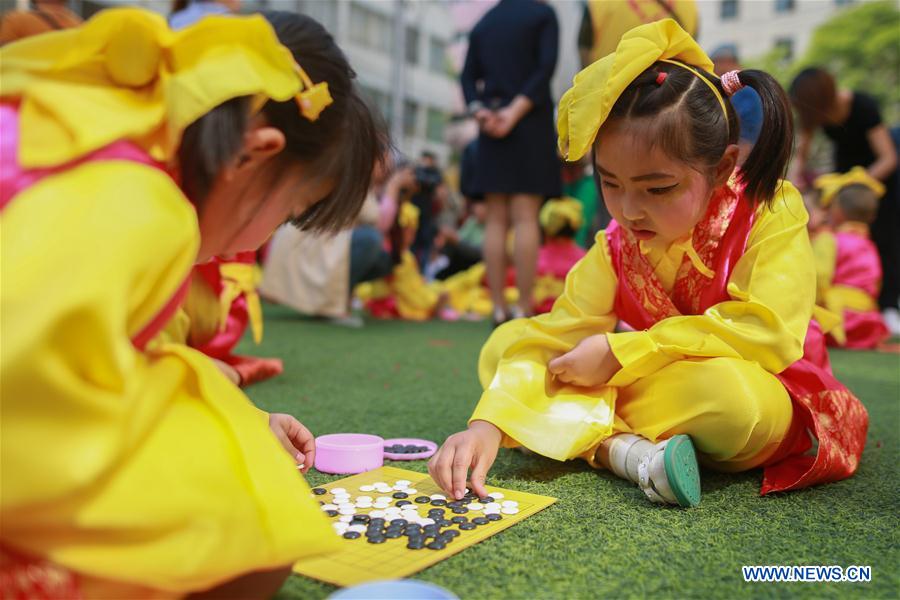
(660, 77)
(314, 98)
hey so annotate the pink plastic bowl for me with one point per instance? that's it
(349, 453)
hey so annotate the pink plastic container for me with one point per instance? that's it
(349, 453)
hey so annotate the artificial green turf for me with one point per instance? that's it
(603, 538)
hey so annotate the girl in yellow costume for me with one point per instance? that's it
(714, 270)
(130, 152)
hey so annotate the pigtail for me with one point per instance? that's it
(767, 163)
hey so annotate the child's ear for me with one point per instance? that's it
(726, 165)
(260, 144)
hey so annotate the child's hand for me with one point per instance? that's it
(588, 364)
(476, 448)
(296, 439)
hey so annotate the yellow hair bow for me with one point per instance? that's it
(586, 105)
(558, 213)
(832, 183)
(125, 75)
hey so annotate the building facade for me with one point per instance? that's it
(753, 28)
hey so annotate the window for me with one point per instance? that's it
(785, 47)
(434, 128)
(437, 60)
(410, 118)
(369, 28)
(412, 46)
(323, 12)
(728, 9)
(783, 6)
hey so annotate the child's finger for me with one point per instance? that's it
(462, 459)
(479, 473)
(559, 364)
(441, 473)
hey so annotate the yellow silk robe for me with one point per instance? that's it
(673, 374)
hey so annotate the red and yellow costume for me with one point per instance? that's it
(127, 471)
(720, 351)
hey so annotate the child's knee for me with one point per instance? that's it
(754, 414)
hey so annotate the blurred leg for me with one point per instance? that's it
(496, 225)
(524, 211)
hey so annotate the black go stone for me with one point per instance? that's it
(438, 502)
(351, 535)
(360, 519)
(375, 540)
(493, 517)
(452, 533)
(420, 499)
(331, 513)
(460, 511)
(437, 511)
(454, 504)
(399, 523)
(486, 499)
(444, 523)
(436, 545)
(392, 534)
(402, 502)
(458, 520)
(430, 529)
(400, 495)
(481, 520)
(467, 526)
(319, 491)
(416, 544)
(377, 521)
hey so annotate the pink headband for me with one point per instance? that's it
(731, 83)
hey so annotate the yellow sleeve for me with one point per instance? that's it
(117, 464)
(520, 397)
(772, 290)
(824, 247)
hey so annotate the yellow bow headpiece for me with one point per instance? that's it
(587, 104)
(558, 213)
(832, 183)
(125, 75)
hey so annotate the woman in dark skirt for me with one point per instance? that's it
(506, 82)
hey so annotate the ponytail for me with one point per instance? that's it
(768, 161)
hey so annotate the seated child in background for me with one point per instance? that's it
(700, 260)
(221, 302)
(403, 294)
(560, 220)
(848, 269)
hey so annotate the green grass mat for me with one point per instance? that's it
(603, 538)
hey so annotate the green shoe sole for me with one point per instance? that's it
(682, 470)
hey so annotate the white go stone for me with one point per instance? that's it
(329, 507)
(475, 506)
(509, 504)
(357, 528)
(496, 495)
(342, 501)
(492, 506)
(347, 510)
(438, 497)
(403, 482)
(337, 491)
(366, 488)
(509, 510)
(345, 519)
(364, 498)
(411, 491)
(377, 514)
(426, 521)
